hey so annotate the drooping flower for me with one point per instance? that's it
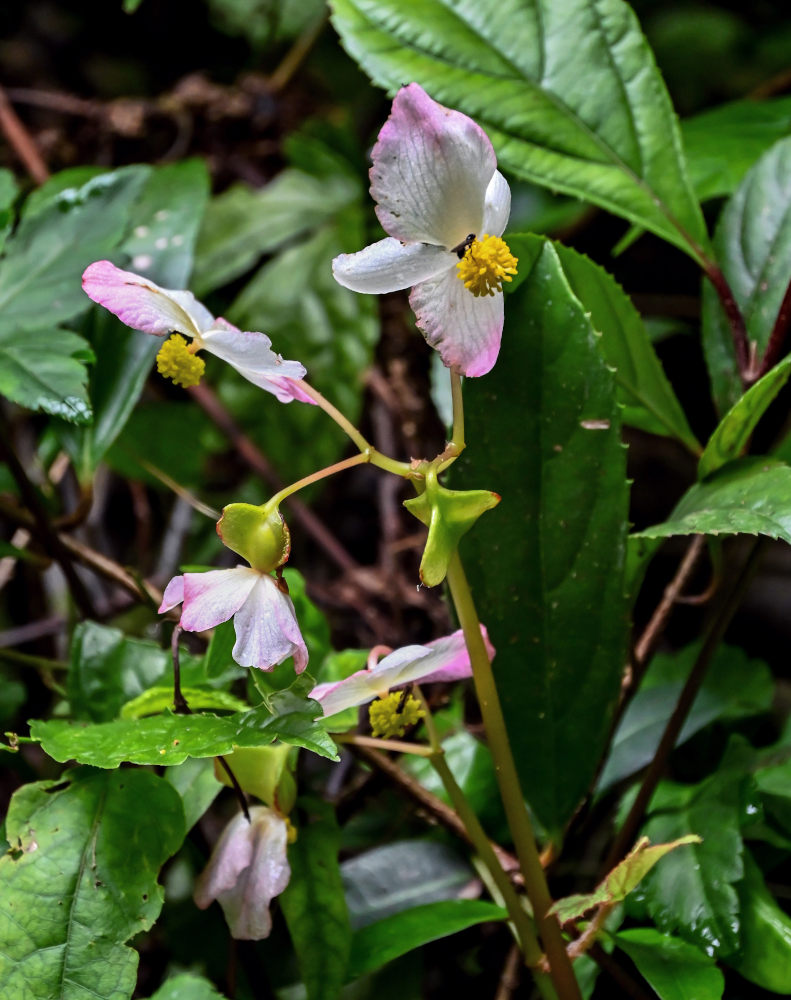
(444, 659)
(444, 206)
(247, 869)
(142, 305)
(267, 631)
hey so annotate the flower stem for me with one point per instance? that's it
(456, 445)
(314, 477)
(508, 780)
(374, 457)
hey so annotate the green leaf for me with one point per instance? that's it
(723, 143)
(765, 954)
(40, 280)
(400, 876)
(546, 566)
(170, 739)
(42, 369)
(314, 905)
(159, 699)
(195, 782)
(749, 496)
(692, 892)
(599, 125)
(734, 687)
(81, 881)
(675, 969)
(165, 221)
(375, 945)
(733, 432)
(8, 193)
(643, 388)
(623, 879)
(187, 986)
(242, 224)
(753, 246)
(106, 669)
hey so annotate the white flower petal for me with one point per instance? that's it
(465, 329)
(389, 265)
(267, 631)
(174, 594)
(497, 207)
(365, 685)
(252, 356)
(431, 168)
(214, 597)
(143, 305)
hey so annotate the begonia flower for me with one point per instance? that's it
(267, 631)
(142, 305)
(444, 206)
(444, 659)
(247, 869)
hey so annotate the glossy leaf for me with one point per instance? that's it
(158, 699)
(734, 687)
(623, 879)
(165, 227)
(314, 904)
(723, 143)
(546, 566)
(734, 430)
(692, 892)
(649, 400)
(197, 785)
(751, 496)
(675, 969)
(376, 944)
(170, 739)
(82, 880)
(753, 246)
(599, 126)
(241, 225)
(400, 876)
(43, 369)
(765, 954)
(40, 280)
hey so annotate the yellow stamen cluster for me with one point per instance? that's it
(486, 264)
(392, 715)
(176, 361)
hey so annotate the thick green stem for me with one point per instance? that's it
(508, 780)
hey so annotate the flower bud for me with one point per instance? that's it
(258, 534)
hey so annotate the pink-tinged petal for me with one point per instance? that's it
(288, 389)
(247, 869)
(365, 685)
(497, 208)
(214, 597)
(252, 356)
(143, 305)
(389, 265)
(465, 329)
(431, 168)
(452, 651)
(174, 594)
(267, 631)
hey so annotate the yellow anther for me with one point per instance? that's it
(486, 264)
(176, 361)
(391, 715)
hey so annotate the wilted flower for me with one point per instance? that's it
(247, 869)
(145, 306)
(443, 659)
(263, 615)
(445, 206)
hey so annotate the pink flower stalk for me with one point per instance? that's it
(263, 615)
(443, 659)
(247, 869)
(142, 305)
(444, 205)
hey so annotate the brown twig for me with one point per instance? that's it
(440, 811)
(509, 977)
(21, 140)
(296, 54)
(208, 401)
(721, 619)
